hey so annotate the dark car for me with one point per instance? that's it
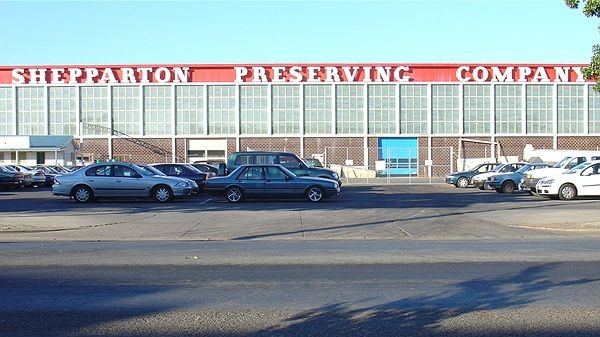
(155, 171)
(463, 179)
(50, 173)
(183, 171)
(270, 181)
(10, 178)
(207, 168)
(286, 159)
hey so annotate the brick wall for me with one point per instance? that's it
(513, 146)
(337, 150)
(131, 152)
(578, 143)
(285, 144)
(97, 149)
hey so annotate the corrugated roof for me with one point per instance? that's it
(59, 142)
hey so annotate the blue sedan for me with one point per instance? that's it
(509, 182)
(270, 181)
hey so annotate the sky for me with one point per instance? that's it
(288, 32)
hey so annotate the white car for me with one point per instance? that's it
(531, 178)
(582, 180)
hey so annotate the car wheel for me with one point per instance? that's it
(162, 193)
(315, 194)
(234, 194)
(508, 187)
(567, 192)
(462, 182)
(82, 194)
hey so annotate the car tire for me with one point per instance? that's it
(462, 182)
(315, 193)
(508, 187)
(82, 194)
(567, 192)
(234, 194)
(162, 193)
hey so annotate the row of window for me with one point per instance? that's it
(301, 109)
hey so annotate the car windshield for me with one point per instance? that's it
(142, 170)
(578, 168)
(562, 162)
(498, 168)
(151, 170)
(524, 168)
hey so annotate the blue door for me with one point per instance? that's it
(400, 155)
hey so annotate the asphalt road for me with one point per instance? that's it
(397, 260)
(180, 288)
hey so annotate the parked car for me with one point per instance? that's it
(463, 179)
(186, 171)
(530, 179)
(9, 178)
(582, 180)
(117, 179)
(270, 181)
(480, 179)
(509, 182)
(210, 170)
(31, 177)
(286, 159)
(155, 171)
(50, 174)
(313, 162)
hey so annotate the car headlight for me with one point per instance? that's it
(335, 175)
(182, 184)
(492, 179)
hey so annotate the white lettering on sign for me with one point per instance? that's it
(322, 74)
(518, 74)
(100, 75)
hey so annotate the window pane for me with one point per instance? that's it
(570, 109)
(382, 109)
(413, 109)
(476, 105)
(221, 109)
(190, 109)
(445, 108)
(30, 110)
(286, 109)
(508, 108)
(253, 109)
(349, 109)
(126, 109)
(157, 110)
(539, 108)
(317, 109)
(63, 113)
(7, 118)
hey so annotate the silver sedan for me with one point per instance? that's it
(117, 179)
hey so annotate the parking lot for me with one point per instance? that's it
(416, 211)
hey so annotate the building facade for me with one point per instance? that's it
(418, 119)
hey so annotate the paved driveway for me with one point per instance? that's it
(435, 211)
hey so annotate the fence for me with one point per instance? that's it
(390, 165)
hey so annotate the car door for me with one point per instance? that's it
(101, 179)
(278, 183)
(588, 181)
(128, 182)
(252, 180)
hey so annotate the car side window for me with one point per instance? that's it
(252, 173)
(592, 170)
(124, 171)
(275, 173)
(243, 159)
(289, 161)
(100, 171)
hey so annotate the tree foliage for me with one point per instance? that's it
(591, 8)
